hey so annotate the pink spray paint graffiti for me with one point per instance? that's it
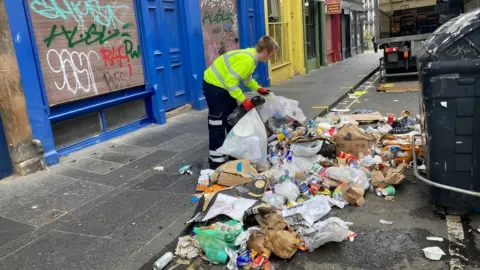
(220, 28)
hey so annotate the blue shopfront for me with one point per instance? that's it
(92, 70)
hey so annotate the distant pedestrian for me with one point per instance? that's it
(374, 45)
(221, 90)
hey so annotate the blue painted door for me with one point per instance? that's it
(166, 30)
(252, 27)
(5, 162)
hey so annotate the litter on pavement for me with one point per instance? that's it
(433, 253)
(288, 176)
(433, 238)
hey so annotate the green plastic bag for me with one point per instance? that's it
(214, 241)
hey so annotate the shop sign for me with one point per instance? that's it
(334, 8)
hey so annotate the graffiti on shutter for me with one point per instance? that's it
(86, 47)
(220, 27)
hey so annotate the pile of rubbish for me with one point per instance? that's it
(289, 173)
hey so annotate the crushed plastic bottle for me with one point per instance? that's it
(163, 261)
(185, 169)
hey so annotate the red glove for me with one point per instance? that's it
(263, 91)
(247, 104)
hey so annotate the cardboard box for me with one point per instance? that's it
(233, 173)
(353, 195)
(353, 140)
(389, 176)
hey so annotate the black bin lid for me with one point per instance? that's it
(451, 31)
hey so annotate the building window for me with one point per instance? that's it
(310, 29)
(278, 29)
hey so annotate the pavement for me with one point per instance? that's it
(122, 203)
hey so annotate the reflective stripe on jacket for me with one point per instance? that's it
(229, 69)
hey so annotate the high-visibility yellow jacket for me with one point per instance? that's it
(231, 68)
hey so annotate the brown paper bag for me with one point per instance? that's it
(282, 243)
(257, 242)
(271, 221)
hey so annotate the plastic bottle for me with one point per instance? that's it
(163, 261)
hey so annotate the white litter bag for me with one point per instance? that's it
(278, 107)
(356, 178)
(291, 109)
(306, 149)
(288, 190)
(271, 108)
(331, 230)
(247, 140)
(311, 210)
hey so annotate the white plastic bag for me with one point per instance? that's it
(247, 140)
(280, 107)
(288, 190)
(271, 108)
(304, 163)
(274, 199)
(355, 177)
(311, 210)
(306, 149)
(291, 109)
(331, 230)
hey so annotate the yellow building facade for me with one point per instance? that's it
(284, 20)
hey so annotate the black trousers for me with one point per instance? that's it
(220, 105)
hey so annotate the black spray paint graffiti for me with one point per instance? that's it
(218, 16)
(116, 80)
(225, 35)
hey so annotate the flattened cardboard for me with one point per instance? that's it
(366, 117)
(353, 195)
(233, 173)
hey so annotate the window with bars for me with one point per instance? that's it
(278, 29)
(310, 29)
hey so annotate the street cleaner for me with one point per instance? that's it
(222, 92)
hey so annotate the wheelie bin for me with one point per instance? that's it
(449, 73)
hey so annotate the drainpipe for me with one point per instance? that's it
(25, 153)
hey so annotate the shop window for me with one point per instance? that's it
(278, 29)
(125, 113)
(310, 29)
(76, 129)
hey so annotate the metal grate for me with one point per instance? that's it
(53, 214)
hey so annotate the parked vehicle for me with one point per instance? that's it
(401, 27)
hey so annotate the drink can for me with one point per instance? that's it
(303, 188)
(390, 119)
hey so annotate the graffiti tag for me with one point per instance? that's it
(116, 55)
(218, 16)
(116, 80)
(78, 10)
(91, 36)
(225, 4)
(73, 64)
